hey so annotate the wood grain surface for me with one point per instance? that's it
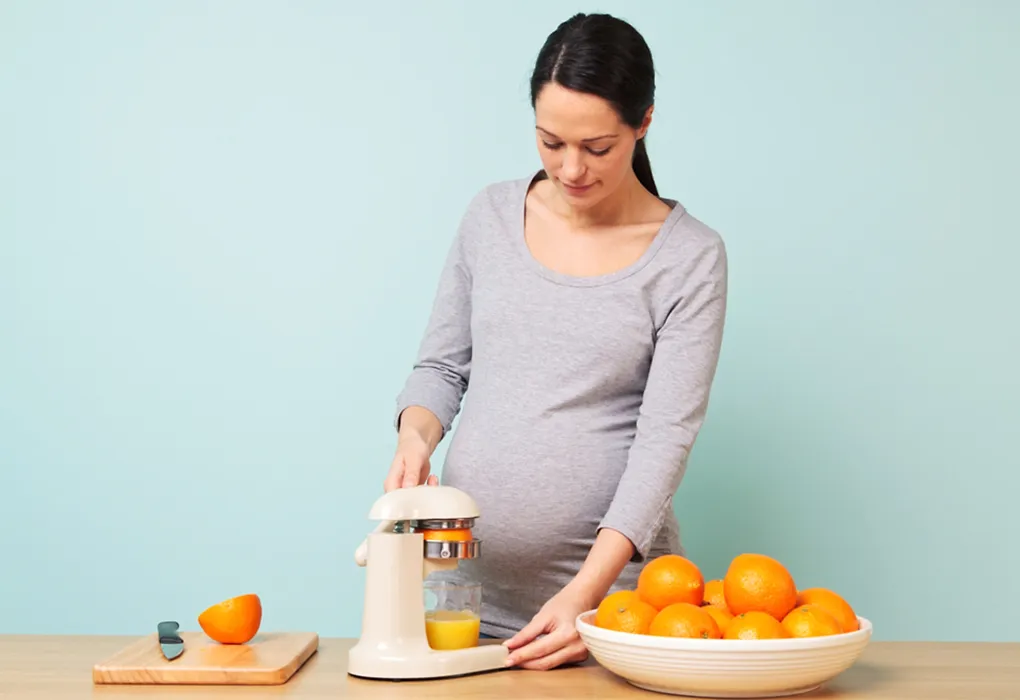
(268, 659)
(37, 667)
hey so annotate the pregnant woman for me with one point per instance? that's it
(576, 331)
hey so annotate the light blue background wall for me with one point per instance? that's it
(221, 224)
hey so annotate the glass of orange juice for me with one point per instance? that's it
(453, 613)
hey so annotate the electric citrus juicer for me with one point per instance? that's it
(424, 530)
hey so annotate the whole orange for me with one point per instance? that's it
(684, 620)
(755, 625)
(832, 603)
(233, 621)
(624, 611)
(722, 616)
(810, 621)
(714, 594)
(670, 579)
(757, 582)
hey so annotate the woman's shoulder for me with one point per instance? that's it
(501, 195)
(692, 255)
(495, 206)
(688, 235)
(492, 214)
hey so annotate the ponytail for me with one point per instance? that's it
(643, 167)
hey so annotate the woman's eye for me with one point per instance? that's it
(594, 152)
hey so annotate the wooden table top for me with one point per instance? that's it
(37, 667)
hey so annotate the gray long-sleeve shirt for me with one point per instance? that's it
(579, 397)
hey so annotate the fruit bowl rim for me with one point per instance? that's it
(659, 643)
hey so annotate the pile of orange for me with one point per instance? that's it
(757, 598)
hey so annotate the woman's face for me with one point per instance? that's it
(585, 147)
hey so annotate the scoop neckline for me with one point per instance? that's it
(677, 212)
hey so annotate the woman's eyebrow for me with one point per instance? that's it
(593, 138)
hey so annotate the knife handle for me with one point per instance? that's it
(361, 553)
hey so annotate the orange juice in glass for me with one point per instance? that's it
(452, 614)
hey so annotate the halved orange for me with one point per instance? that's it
(233, 621)
(450, 535)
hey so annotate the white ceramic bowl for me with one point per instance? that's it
(723, 668)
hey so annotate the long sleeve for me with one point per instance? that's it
(439, 377)
(675, 400)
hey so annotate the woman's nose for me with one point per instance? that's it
(573, 166)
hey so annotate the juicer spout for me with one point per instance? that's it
(361, 553)
(432, 566)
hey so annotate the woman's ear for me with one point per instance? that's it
(645, 123)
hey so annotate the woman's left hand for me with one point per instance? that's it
(550, 639)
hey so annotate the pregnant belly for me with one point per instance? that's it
(537, 501)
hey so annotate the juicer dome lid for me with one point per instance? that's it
(424, 503)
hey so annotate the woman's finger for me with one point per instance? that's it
(574, 652)
(395, 475)
(540, 648)
(412, 474)
(528, 632)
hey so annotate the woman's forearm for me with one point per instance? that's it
(419, 422)
(606, 559)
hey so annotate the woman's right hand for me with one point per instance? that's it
(411, 465)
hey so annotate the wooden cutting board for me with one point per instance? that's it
(268, 659)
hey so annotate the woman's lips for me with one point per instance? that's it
(576, 189)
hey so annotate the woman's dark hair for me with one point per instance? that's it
(604, 56)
